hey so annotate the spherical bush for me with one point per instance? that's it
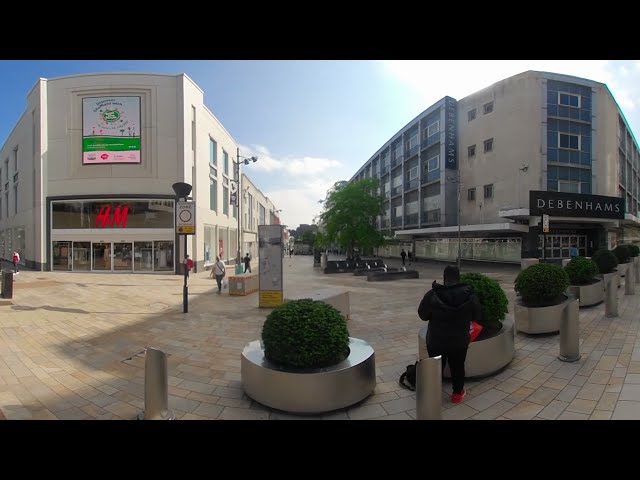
(634, 250)
(606, 261)
(622, 253)
(305, 334)
(581, 271)
(492, 298)
(542, 285)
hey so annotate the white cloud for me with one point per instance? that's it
(299, 166)
(293, 183)
(432, 79)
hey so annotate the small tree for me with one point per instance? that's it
(349, 215)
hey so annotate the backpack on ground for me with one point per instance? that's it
(408, 377)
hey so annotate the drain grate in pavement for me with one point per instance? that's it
(137, 359)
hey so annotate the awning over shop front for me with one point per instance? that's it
(485, 227)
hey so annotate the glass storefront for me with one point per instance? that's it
(112, 235)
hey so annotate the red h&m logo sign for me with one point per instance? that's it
(106, 218)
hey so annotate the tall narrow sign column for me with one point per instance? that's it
(270, 269)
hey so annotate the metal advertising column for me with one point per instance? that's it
(270, 270)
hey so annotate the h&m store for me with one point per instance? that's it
(112, 234)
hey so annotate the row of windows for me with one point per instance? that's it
(487, 108)
(488, 147)
(488, 193)
(213, 159)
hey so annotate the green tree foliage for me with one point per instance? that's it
(349, 215)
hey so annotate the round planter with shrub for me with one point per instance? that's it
(493, 300)
(305, 334)
(306, 361)
(584, 285)
(622, 253)
(634, 250)
(542, 285)
(606, 261)
(543, 302)
(582, 271)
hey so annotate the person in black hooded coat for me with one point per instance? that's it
(449, 309)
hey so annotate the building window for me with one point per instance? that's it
(569, 99)
(15, 199)
(433, 163)
(213, 152)
(6, 204)
(213, 194)
(413, 141)
(488, 191)
(471, 151)
(6, 170)
(225, 201)
(433, 128)
(488, 145)
(568, 187)
(487, 108)
(225, 157)
(471, 194)
(471, 114)
(568, 141)
(15, 159)
(413, 173)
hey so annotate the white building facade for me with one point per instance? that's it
(87, 174)
(536, 131)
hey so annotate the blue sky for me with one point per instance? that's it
(312, 123)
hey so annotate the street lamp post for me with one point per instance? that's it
(182, 191)
(459, 183)
(236, 165)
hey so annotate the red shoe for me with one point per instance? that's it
(457, 397)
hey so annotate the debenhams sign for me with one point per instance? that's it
(560, 204)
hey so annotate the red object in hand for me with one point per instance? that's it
(474, 330)
(189, 263)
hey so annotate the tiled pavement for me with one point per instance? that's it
(71, 343)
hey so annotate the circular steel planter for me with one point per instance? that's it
(589, 295)
(540, 319)
(309, 391)
(484, 357)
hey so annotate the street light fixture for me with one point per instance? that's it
(246, 160)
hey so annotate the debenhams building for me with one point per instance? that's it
(498, 160)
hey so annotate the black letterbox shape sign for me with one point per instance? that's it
(561, 204)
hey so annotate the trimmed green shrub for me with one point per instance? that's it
(492, 299)
(542, 285)
(606, 261)
(305, 334)
(622, 253)
(634, 250)
(581, 271)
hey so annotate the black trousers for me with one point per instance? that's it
(456, 359)
(219, 281)
(247, 267)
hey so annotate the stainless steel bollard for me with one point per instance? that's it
(629, 281)
(429, 389)
(156, 387)
(611, 294)
(570, 333)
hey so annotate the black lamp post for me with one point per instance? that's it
(182, 191)
(236, 165)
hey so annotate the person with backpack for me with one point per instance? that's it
(403, 255)
(450, 309)
(219, 271)
(247, 263)
(16, 261)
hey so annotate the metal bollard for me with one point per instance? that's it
(156, 387)
(570, 333)
(611, 295)
(636, 268)
(629, 281)
(429, 389)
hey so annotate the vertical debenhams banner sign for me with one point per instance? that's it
(560, 204)
(451, 133)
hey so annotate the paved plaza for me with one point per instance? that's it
(72, 347)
